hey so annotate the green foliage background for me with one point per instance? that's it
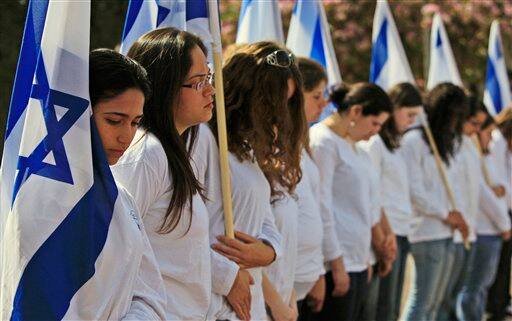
(467, 23)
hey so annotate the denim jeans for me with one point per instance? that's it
(390, 288)
(431, 260)
(483, 265)
(455, 280)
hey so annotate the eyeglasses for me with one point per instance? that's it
(280, 58)
(200, 85)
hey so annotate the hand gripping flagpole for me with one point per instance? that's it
(440, 167)
(221, 118)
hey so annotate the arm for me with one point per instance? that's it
(279, 310)
(325, 159)
(425, 202)
(149, 298)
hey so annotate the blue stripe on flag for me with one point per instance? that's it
(163, 12)
(196, 9)
(439, 40)
(27, 61)
(133, 11)
(245, 5)
(317, 49)
(379, 52)
(499, 52)
(65, 261)
(493, 86)
(295, 8)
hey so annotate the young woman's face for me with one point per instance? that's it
(367, 126)
(314, 102)
(473, 124)
(485, 136)
(117, 120)
(404, 117)
(195, 106)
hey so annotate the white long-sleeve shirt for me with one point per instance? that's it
(126, 283)
(394, 184)
(492, 217)
(252, 212)
(502, 158)
(281, 273)
(310, 229)
(428, 195)
(346, 192)
(183, 255)
(470, 187)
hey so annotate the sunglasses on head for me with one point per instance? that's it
(280, 58)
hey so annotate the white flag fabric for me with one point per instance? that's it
(259, 20)
(443, 67)
(389, 64)
(497, 85)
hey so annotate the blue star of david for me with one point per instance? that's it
(163, 12)
(33, 164)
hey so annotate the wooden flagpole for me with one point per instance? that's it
(440, 167)
(221, 118)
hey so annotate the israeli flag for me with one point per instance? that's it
(497, 85)
(259, 20)
(57, 193)
(309, 36)
(147, 15)
(389, 65)
(443, 67)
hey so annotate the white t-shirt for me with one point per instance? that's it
(310, 229)
(126, 283)
(394, 184)
(492, 217)
(183, 255)
(281, 273)
(428, 194)
(252, 212)
(346, 192)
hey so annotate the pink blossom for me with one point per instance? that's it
(429, 8)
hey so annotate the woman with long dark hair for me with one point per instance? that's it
(156, 168)
(384, 150)
(347, 190)
(433, 218)
(491, 228)
(133, 289)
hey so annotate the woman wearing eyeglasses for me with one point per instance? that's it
(346, 187)
(156, 168)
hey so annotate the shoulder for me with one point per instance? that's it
(321, 136)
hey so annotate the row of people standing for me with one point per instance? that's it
(304, 201)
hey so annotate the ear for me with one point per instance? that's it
(355, 112)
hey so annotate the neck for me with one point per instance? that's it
(340, 125)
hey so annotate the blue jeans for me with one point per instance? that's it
(390, 289)
(455, 280)
(431, 258)
(482, 271)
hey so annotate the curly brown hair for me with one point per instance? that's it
(262, 123)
